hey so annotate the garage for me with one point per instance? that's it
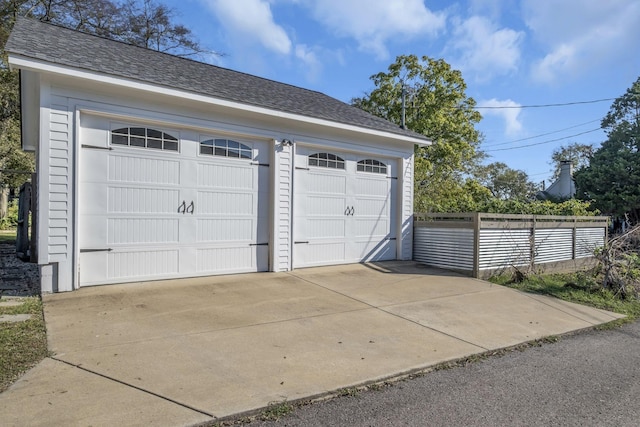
(344, 207)
(178, 169)
(155, 203)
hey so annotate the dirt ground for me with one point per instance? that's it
(17, 278)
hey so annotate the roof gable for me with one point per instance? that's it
(68, 48)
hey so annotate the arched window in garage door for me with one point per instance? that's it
(225, 148)
(144, 138)
(326, 160)
(373, 166)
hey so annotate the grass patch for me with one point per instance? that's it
(8, 237)
(276, 410)
(22, 344)
(578, 287)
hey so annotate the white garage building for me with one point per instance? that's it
(151, 166)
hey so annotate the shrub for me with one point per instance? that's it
(11, 220)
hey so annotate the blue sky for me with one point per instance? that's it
(511, 53)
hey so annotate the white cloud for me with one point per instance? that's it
(582, 34)
(484, 49)
(250, 21)
(310, 61)
(511, 118)
(372, 23)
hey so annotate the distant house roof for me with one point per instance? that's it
(68, 48)
(564, 187)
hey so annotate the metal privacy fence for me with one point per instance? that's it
(481, 244)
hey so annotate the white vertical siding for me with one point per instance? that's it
(406, 208)
(59, 181)
(283, 208)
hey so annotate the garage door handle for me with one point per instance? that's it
(190, 208)
(182, 207)
(349, 211)
(95, 250)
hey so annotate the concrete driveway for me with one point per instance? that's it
(190, 351)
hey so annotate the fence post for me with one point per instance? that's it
(476, 245)
(574, 237)
(34, 218)
(532, 244)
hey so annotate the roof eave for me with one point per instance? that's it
(29, 63)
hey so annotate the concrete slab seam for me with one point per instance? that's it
(168, 399)
(209, 331)
(392, 314)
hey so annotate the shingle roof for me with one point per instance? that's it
(61, 46)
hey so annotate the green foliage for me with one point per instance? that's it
(581, 288)
(570, 207)
(579, 154)
(22, 344)
(505, 183)
(11, 220)
(13, 161)
(437, 107)
(612, 178)
(145, 23)
(277, 410)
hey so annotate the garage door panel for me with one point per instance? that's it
(142, 263)
(319, 228)
(140, 200)
(324, 183)
(142, 231)
(376, 250)
(320, 253)
(217, 230)
(219, 203)
(378, 208)
(127, 168)
(326, 206)
(94, 198)
(94, 232)
(226, 177)
(372, 187)
(372, 228)
(232, 259)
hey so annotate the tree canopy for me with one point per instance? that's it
(144, 23)
(505, 183)
(612, 178)
(578, 154)
(438, 107)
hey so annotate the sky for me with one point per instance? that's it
(511, 54)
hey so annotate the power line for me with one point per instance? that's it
(564, 104)
(542, 134)
(544, 142)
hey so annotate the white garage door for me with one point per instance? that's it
(343, 209)
(154, 205)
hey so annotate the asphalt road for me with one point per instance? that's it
(588, 379)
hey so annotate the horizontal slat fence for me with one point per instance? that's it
(480, 244)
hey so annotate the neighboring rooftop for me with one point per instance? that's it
(61, 46)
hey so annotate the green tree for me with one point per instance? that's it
(505, 183)
(144, 23)
(579, 154)
(436, 106)
(612, 178)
